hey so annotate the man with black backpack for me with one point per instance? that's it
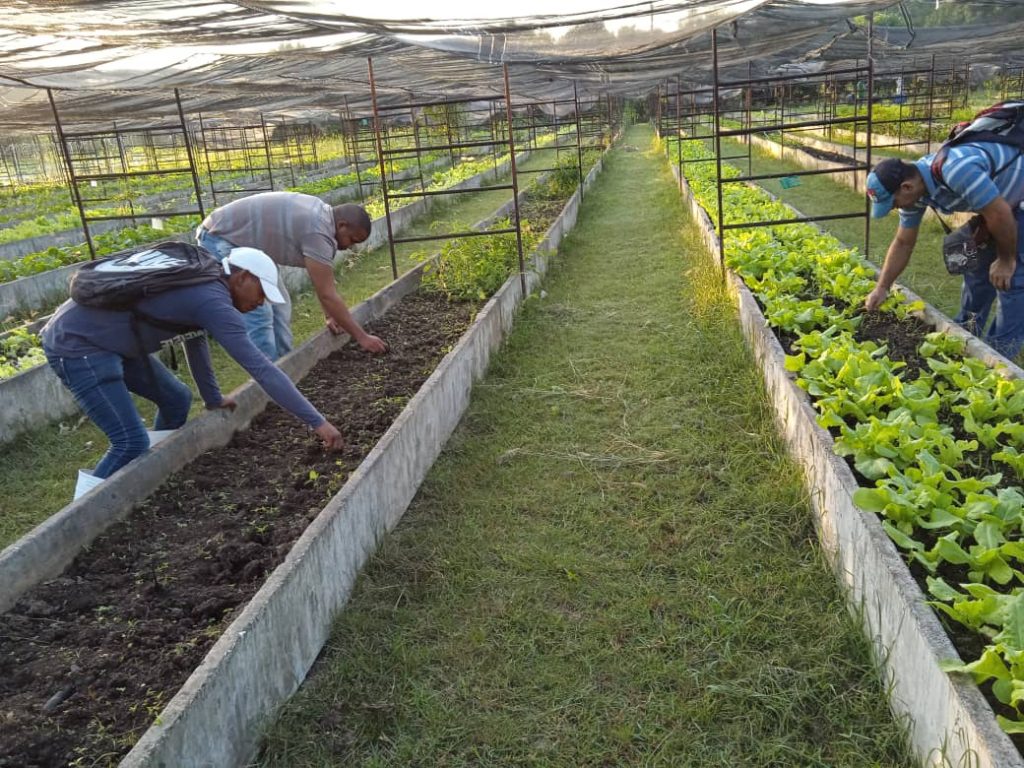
(979, 169)
(99, 342)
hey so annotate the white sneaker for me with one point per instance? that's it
(86, 482)
(156, 435)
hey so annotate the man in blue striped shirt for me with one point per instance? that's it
(983, 177)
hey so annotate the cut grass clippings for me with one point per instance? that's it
(613, 562)
(40, 467)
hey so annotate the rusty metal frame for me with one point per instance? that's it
(78, 180)
(454, 142)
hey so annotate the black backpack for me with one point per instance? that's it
(1002, 123)
(118, 282)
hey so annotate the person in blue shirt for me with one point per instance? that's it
(980, 177)
(103, 356)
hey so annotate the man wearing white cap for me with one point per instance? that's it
(104, 355)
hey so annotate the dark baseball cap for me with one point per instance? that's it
(883, 183)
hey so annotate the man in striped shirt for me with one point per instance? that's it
(982, 177)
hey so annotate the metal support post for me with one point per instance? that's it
(266, 150)
(206, 156)
(867, 150)
(515, 180)
(190, 154)
(383, 173)
(71, 173)
(579, 137)
(414, 124)
(718, 149)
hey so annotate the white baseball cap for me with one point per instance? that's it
(258, 263)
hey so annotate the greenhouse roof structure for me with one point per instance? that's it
(125, 56)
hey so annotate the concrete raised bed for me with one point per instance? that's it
(18, 248)
(949, 721)
(36, 397)
(884, 141)
(217, 716)
(261, 659)
(853, 179)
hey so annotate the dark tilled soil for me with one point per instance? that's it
(88, 660)
(902, 337)
(540, 212)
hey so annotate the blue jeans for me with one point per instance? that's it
(101, 384)
(1006, 335)
(269, 325)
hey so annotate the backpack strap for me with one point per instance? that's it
(178, 329)
(942, 221)
(940, 159)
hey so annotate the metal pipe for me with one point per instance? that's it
(452, 235)
(816, 172)
(515, 180)
(790, 126)
(867, 160)
(383, 172)
(455, 145)
(797, 220)
(718, 151)
(428, 193)
(191, 156)
(71, 173)
(206, 154)
(266, 151)
(579, 139)
(416, 141)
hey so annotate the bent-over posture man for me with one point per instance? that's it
(295, 230)
(104, 355)
(983, 177)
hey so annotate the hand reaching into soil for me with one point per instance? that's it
(875, 298)
(374, 344)
(332, 439)
(367, 341)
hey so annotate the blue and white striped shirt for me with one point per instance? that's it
(969, 185)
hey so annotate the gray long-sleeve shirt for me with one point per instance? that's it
(77, 331)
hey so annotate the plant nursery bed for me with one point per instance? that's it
(88, 660)
(949, 719)
(903, 337)
(821, 154)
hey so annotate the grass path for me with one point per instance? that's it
(40, 467)
(613, 562)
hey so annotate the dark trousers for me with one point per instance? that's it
(102, 385)
(978, 295)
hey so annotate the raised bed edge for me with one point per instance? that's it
(217, 717)
(948, 719)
